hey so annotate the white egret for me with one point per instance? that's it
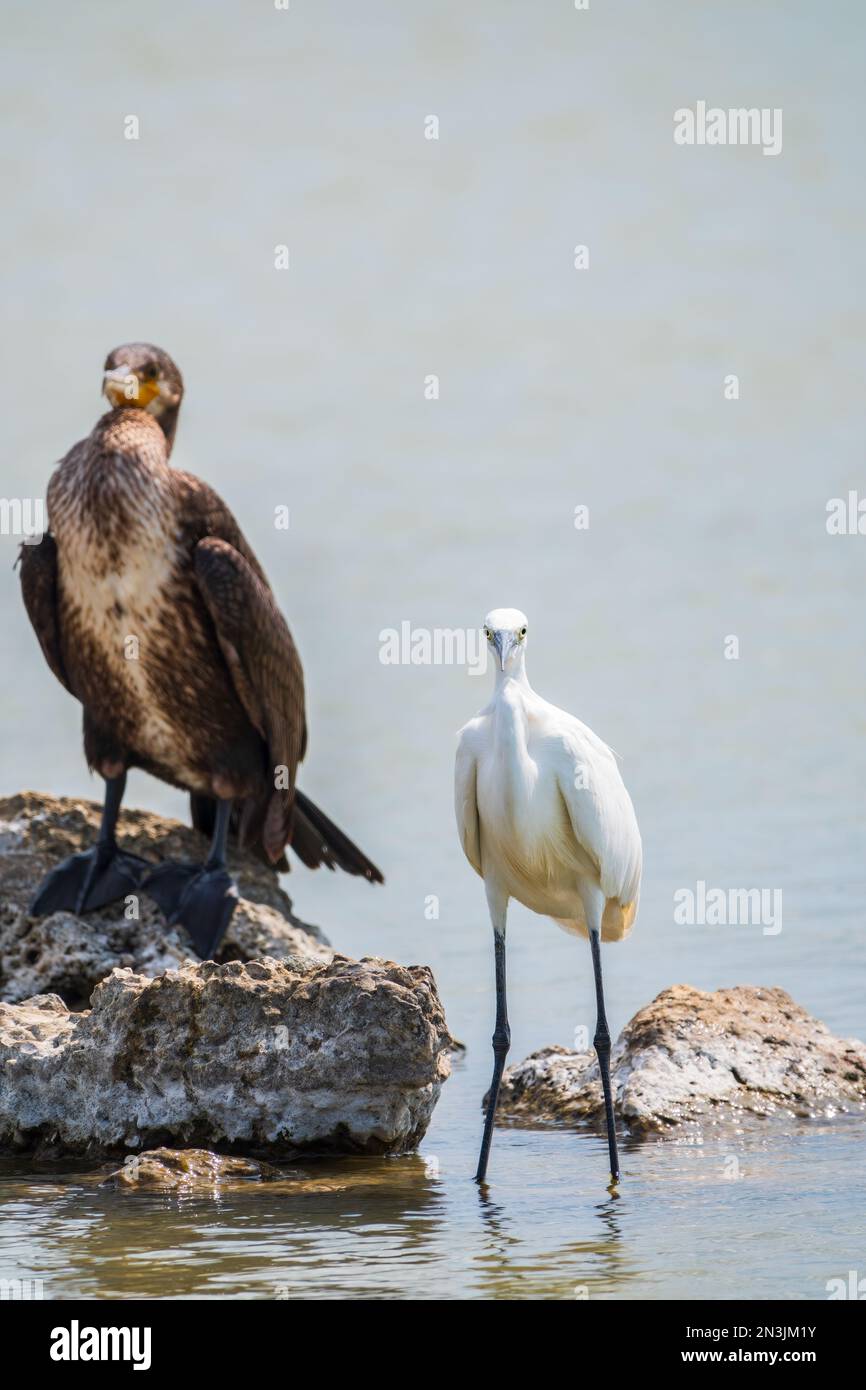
(544, 817)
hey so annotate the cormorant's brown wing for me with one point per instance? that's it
(267, 674)
(39, 588)
(204, 516)
(265, 668)
(203, 513)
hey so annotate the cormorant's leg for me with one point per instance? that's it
(501, 1037)
(95, 877)
(201, 898)
(602, 1049)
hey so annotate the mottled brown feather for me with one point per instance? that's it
(214, 702)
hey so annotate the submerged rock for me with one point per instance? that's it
(68, 955)
(262, 1057)
(697, 1057)
(202, 1173)
(187, 1170)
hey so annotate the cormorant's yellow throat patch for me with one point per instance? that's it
(122, 393)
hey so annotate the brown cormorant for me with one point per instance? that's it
(151, 608)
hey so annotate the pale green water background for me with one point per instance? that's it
(558, 387)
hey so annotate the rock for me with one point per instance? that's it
(201, 1173)
(187, 1170)
(342, 1057)
(694, 1057)
(68, 955)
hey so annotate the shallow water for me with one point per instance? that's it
(681, 1227)
(558, 388)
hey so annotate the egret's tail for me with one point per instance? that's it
(616, 923)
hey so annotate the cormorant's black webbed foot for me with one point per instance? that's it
(201, 898)
(89, 880)
(95, 877)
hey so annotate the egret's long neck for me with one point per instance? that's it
(511, 698)
(513, 679)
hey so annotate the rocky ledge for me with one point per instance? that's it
(256, 1058)
(68, 955)
(280, 1047)
(697, 1058)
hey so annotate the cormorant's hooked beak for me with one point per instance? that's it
(120, 385)
(503, 642)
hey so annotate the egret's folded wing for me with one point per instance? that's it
(39, 590)
(465, 804)
(601, 813)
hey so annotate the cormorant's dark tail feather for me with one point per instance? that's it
(317, 840)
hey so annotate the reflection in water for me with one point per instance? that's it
(576, 1269)
(291, 1239)
(410, 1227)
(284, 1238)
(573, 1269)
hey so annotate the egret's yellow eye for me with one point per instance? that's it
(488, 634)
(522, 632)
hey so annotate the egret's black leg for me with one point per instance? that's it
(501, 1044)
(602, 1049)
(201, 898)
(95, 877)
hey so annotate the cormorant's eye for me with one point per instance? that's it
(151, 373)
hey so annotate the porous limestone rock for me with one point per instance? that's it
(253, 1058)
(68, 955)
(700, 1058)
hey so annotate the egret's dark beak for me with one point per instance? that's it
(503, 642)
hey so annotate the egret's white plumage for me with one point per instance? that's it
(544, 817)
(542, 811)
